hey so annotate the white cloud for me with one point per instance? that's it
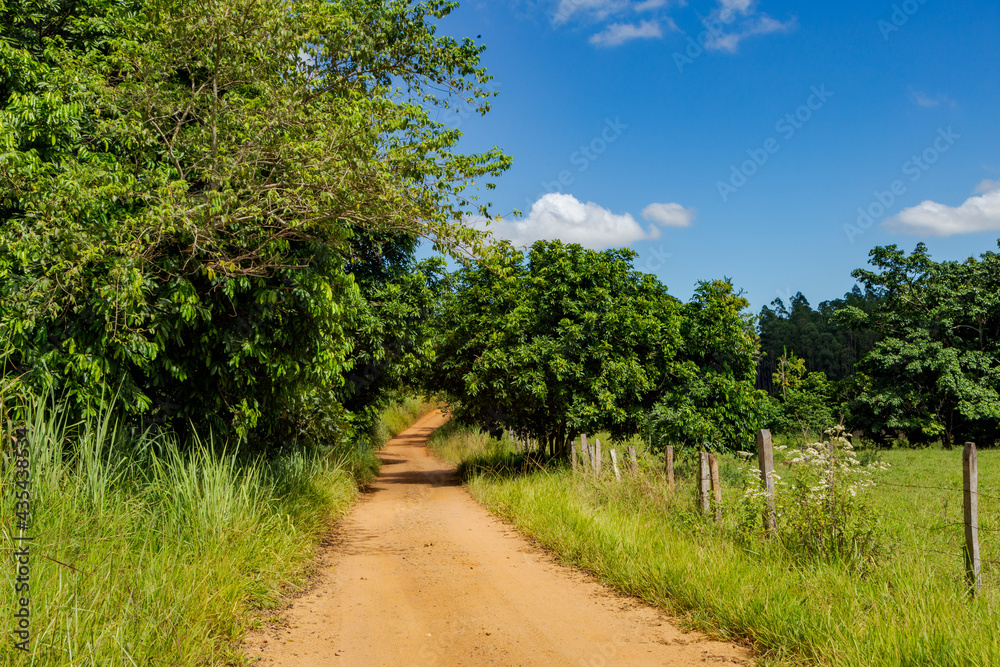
(669, 215)
(596, 9)
(920, 98)
(564, 217)
(987, 186)
(619, 33)
(741, 6)
(649, 5)
(728, 23)
(601, 10)
(756, 25)
(975, 214)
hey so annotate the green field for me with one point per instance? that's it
(910, 607)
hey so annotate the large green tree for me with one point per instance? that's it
(711, 401)
(936, 371)
(571, 341)
(186, 190)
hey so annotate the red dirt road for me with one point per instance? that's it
(420, 574)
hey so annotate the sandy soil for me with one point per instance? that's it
(420, 574)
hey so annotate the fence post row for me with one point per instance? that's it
(713, 465)
(970, 474)
(669, 456)
(704, 481)
(708, 481)
(765, 457)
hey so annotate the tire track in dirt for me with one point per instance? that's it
(419, 574)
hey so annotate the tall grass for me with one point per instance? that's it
(149, 552)
(646, 540)
(401, 414)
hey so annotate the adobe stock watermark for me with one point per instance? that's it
(914, 168)
(787, 127)
(566, 10)
(714, 28)
(582, 158)
(605, 654)
(22, 550)
(656, 258)
(900, 16)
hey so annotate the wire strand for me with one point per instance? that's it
(939, 488)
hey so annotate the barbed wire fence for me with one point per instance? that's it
(953, 543)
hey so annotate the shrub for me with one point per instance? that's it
(824, 507)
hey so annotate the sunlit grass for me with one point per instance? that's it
(647, 540)
(399, 415)
(148, 551)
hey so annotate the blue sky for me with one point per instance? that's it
(737, 138)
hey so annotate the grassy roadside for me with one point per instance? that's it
(398, 416)
(145, 552)
(647, 541)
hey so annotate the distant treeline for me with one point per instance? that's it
(823, 341)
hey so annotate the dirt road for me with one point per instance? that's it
(420, 574)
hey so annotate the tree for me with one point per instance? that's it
(186, 185)
(392, 337)
(711, 401)
(480, 318)
(573, 341)
(936, 371)
(805, 398)
(824, 342)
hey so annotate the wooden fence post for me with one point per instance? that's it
(704, 482)
(669, 456)
(765, 457)
(589, 460)
(971, 492)
(633, 459)
(572, 455)
(614, 464)
(597, 457)
(713, 465)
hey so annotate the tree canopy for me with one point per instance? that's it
(189, 189)
(825, 343)
(935, 373)
(574, 340)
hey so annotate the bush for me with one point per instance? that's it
(824, 510)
